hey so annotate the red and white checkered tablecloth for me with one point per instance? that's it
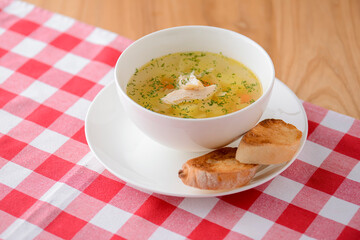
(52, 187)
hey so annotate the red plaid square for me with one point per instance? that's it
(80, 30)
(311, 127)
(350, 146)
(44, 34)
(67, 150)
(108, 55)
(225, 214)
(325, 181)
(311, 199)
(17, 83)
(24, 27)
(339, 163)
(21, 106)
(324, 228)
(92, 232)
(296, 218)
(155, 210)
(280, 232)
(209, 230)
(6, 220)
(12, 61)
(349, 233)
(67, 125)
(355, 129)
(65, 42)
(61, 100)
(129, 199)
(244, 199)
(103, 188)
(299, 171)
(314, 113)
(78, 86)
(2, 52)
(50, 55)
(65, 225)
(16, 203)
(10, 147)
(355, 221)
(44, 116)
(79, 177)
(8, 40)
(181, 222)
(35, 185)
(80, 136)
(55, 77)
(54, 167)
(84, 207)
(5, 97)
(349, 190)
(26, 131)
(4, 190)
(34, 68)
(268, 207)
(30, 157)
(137, 228)
(326, 137)
(94, 71)
(87, 50)
(41, 214)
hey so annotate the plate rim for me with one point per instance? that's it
(133, 184)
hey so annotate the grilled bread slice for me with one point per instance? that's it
(272, 141)
(217, 170)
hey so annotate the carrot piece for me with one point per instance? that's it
(169, 86)
(245, 98)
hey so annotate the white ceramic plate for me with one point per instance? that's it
(133, 157)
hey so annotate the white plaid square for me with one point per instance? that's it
(101, 36)
(314, 153)
(19, 9)
(5, 73)
(39, 91)
(108, 78)
(59, 22)
(355, 173)
(60, 195)
(252, 225)
(79, 109)
(49, 141)
(110, 218)
(21, 229)
(304, 237)
(29, 47)
(337, 121)
(90, 162)
(2, 30)
(12, 174)
(339, 210)
(162, 233)
(198, 206)
(71, 63)
(283, 188)
(8, 121)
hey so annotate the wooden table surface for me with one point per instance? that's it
(314, 44)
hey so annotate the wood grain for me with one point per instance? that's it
(315, 44)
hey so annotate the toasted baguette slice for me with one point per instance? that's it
(217, 170)
(272, 141)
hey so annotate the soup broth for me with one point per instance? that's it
(236, 85)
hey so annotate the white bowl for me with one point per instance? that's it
(195, 135)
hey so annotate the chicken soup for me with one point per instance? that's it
(194, 85)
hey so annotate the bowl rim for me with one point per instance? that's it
(173, 118)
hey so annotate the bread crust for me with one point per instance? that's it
(217, 170)
(272, 141)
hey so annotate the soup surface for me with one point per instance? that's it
(194, 85)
